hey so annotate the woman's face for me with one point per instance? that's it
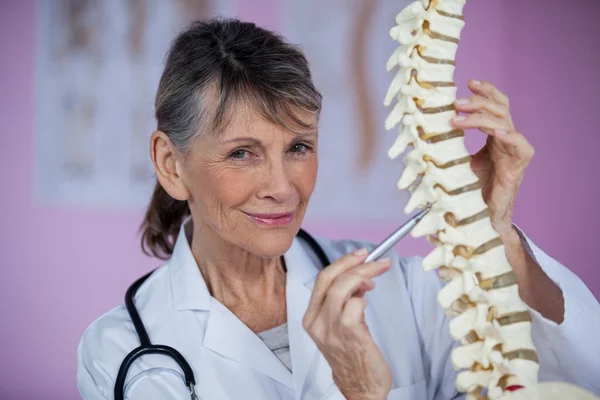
(251, 183)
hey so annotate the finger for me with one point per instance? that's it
(480, 103)
(485, 122)
(354, 312)
(488, 90)
(346, 285)
(324, 280)
(518, 143)
(364, 287)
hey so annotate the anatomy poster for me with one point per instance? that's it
(347, 43)
(98, 64)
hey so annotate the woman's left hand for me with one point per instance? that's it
(500, 166)
(501, 163)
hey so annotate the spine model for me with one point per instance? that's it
(490, 320)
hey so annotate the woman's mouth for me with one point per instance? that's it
(273, 219)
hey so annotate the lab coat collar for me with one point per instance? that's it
(188, 288)
(312, 373)
(228, 336)
(225, 333)
(300, 266)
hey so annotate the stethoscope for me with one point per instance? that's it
(146, 346)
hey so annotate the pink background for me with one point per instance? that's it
(63, 267)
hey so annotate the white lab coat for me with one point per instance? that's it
(231, 362)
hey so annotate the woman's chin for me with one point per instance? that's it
(272, 244)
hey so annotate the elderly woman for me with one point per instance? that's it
(247, 302)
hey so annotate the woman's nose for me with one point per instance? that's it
(277, 184)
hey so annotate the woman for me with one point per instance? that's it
(247, 303)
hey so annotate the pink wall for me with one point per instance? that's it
(63, 267)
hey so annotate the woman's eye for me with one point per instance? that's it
(299, 148)
(239, 154)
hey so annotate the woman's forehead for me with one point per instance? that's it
(243, 119)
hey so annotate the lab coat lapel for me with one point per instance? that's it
(225, 333)
(228, 336)
(312, 374)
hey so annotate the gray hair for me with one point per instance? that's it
(213, 66)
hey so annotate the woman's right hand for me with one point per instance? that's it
(335, 320)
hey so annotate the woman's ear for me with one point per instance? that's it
(166, 159)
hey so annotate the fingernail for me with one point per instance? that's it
(500, 132)
(459, 118)
(360, 252)
(385, 261)
(462, 102)
(476, 82)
